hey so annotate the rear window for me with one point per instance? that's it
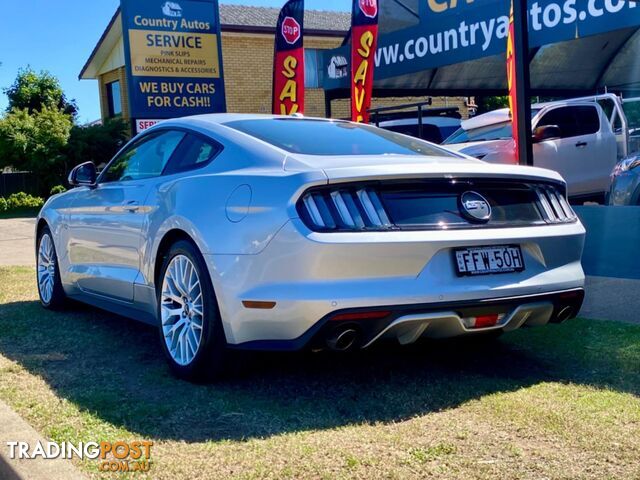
(430, 133)
(320, 137)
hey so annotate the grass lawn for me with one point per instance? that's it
(556, 402)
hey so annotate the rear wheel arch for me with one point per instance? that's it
(42, 223)
(169, 238)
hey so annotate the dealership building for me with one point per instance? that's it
(247, 50)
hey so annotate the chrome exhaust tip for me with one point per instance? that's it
(564, 314)
(343, 339)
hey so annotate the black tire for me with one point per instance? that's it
(212, 358)
(58, 298)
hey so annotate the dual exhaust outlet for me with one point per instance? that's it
(348, 337)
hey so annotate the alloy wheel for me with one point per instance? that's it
(182, 310)
(46, 268)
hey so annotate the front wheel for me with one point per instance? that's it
(191, 331)
(50, 289)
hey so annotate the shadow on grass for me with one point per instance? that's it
(114, 368)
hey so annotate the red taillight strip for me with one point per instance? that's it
(361, 315)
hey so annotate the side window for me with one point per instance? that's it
(587, 119)
(564, 118)
(194, 152)
(146, 158)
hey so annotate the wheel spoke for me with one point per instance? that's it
(46, 265)
(182, 309)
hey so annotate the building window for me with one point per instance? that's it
(114, 98)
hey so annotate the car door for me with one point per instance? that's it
(579, 154)
(105, 222)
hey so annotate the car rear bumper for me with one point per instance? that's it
(407, 323)
(306, 277)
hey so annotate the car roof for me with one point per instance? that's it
(224, 118)
(490, 118)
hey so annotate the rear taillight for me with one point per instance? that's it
(431, 204)
(555, 206)
(344, 209)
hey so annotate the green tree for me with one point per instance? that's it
(488, 104)
(33, 91)
(36, 142)
(96, 143)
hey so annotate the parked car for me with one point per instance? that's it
(418, 120)
(625, 182)
(434, 129)
(281, 233)
(573, 137)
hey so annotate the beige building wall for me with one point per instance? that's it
(248, 72)
(248, 63)
(118, 74)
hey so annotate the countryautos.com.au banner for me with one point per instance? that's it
(479, 29)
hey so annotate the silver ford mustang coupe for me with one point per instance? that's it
(281, 233)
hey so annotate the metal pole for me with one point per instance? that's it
(523, 85)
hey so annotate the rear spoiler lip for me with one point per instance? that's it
(378, 173)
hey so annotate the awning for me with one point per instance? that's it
(578, 47)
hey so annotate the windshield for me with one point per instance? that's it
(495, 131)
(498, 131)
(320, 137)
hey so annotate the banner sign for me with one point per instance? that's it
(511, 80)
(364, 40)
(288, 62)
(173, 58)
(457, 31)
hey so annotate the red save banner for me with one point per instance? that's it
(288, 64)
(511, 81)
(364, 40)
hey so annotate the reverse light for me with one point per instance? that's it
(483, 321)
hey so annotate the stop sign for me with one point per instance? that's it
(369, 7)
(291, 30)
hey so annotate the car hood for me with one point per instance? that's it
(391, 167)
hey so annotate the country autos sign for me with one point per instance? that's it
(173, 58)
(454, 31)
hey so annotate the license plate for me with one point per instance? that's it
(488, 260)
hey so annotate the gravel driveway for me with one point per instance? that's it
(16, 241)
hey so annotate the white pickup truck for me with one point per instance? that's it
(580, 138)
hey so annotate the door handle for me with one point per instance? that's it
(132, 206)
(581, 144)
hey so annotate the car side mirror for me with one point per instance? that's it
(546, 132)
(84, 174)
